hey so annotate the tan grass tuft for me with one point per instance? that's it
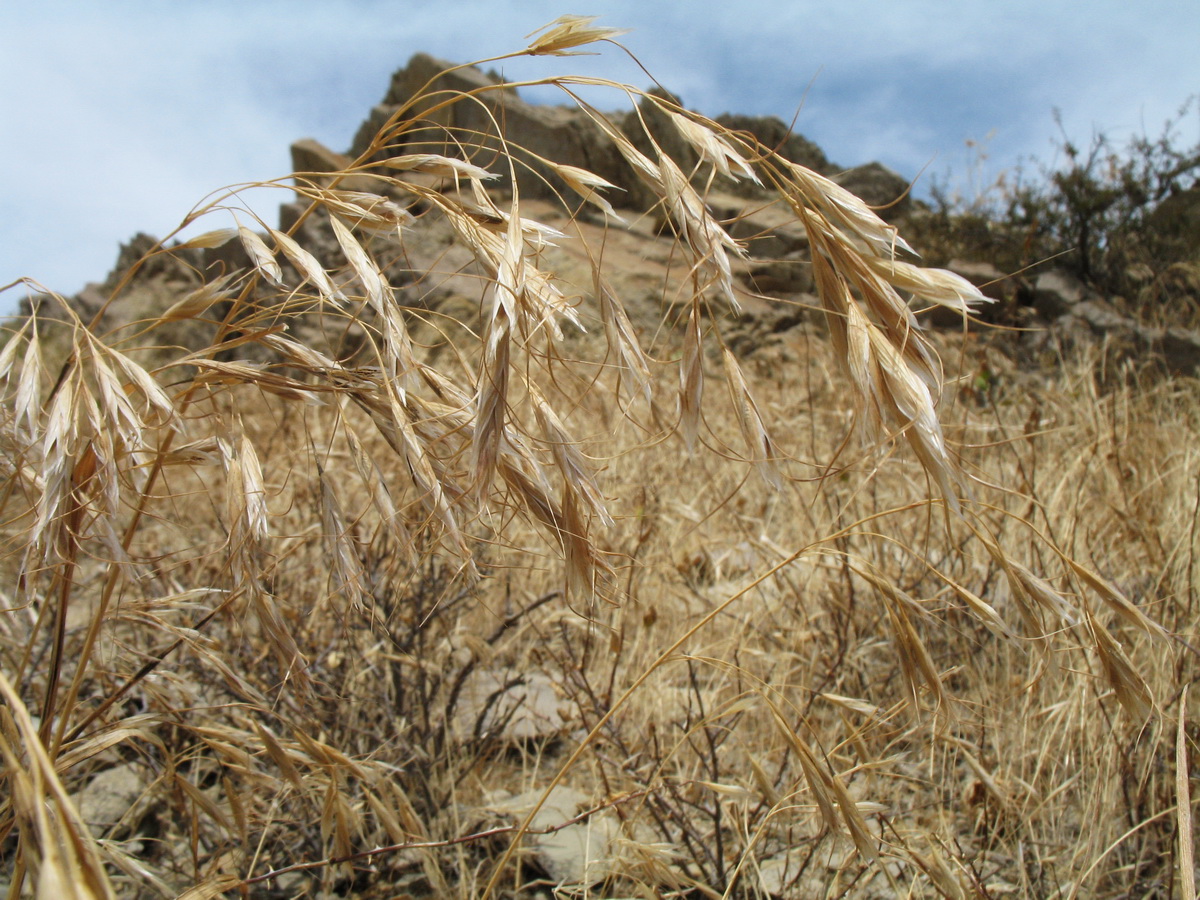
(335, 556)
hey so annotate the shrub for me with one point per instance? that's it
(1117, 214)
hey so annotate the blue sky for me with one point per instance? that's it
(119, 116)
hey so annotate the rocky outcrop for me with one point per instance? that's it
(568, 135)
(563, 134)
(1085, 319)
(435, 270)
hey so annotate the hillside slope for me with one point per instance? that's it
(556, 503)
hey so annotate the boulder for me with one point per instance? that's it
(579, 854)
(771, 232)
(1057, 292)
(311, 157)
(1008, 292)
(780, 277)
(510, 707)
(107, 801)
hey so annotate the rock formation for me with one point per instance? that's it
(1055, 305)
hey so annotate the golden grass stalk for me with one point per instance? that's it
(1183, 803)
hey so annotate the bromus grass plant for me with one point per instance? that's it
(418, 548)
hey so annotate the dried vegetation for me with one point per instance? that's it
(365, 593)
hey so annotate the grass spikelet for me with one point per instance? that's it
(436, 164)
(710, 243)
(381, 495)
(28, 400)
(634, 367)
(588, 186)
(1115, 600)
(308, 265)
(364, 267)
(491, 400)
(196, 303)
(908, 405)
(984, 611)
(916, 662)
(217, 237)
(820, 782)
(855, 824)
(364, 210)
(567, 32)
(712, 147)
(761, 448)
(246, 495)
(844, 211)
(938, 286)
(154, 396)
(347, 574)
(575, 471)
(1130, 687)
(1042, 593)
(260, 254)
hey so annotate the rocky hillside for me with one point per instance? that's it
(1051, 302)
(544, 501)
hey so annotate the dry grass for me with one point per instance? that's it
(288, 553)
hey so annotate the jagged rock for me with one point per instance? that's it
(424, 72)
(563, 134)
(86, 303)
(178, 265)
(569, 136)
(311, 156)
(429, 74)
